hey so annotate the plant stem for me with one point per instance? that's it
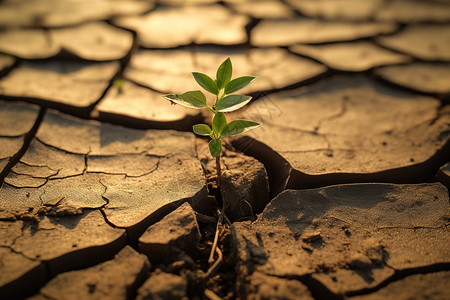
(210, 109)
(221, 216)
(219, 172)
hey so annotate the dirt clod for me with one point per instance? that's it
(163, 286)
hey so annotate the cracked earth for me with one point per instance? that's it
(105, 193)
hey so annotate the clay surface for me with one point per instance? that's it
(108, 163)
(15, 266)
(310, 31)
(424, 42)
(183, 234)
(211, 24)
(16, 121)
(127, 270)
(420, 286)
(402, 11)
(79, 235)
(16, 118)
(323, 126)
(262, 286)
(141, 106)
(342, 193)
(244, 182)
(50, 13)
(27, 43)
(274, 67)
(62, 82)
(74, 166)
(351, 57)
(163, 286)
(347, 238)
(411, 11)
(6, 61)
(422, 77)
(266, 9)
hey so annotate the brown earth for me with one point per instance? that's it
(342, 193)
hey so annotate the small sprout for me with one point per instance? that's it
(221, 88)
(118, 83)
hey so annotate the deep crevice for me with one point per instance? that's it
(415, 173)
(401, 274)
(283, 176)
(27, 285)
(320, 291)
(6, 70)
(277, 168)
(443, 98)
(77, 111)
(124, 62)
(28, 137)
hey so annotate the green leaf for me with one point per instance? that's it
(218, 122)
(206, 82)
(238, 83)
(232, 102)
(191, 99)
(201, 129)
(215, 147)
(239, 126)
(224, 73)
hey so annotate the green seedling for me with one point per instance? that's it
(222, 88)
(118, 83)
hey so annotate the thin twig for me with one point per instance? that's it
(251, 208)
(227, 220)
(216, 238)
(211, 295)
(211, 271)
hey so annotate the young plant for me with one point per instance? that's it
(222, 88)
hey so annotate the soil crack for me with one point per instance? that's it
(28, 137)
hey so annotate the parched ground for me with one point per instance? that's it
(105, 193)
